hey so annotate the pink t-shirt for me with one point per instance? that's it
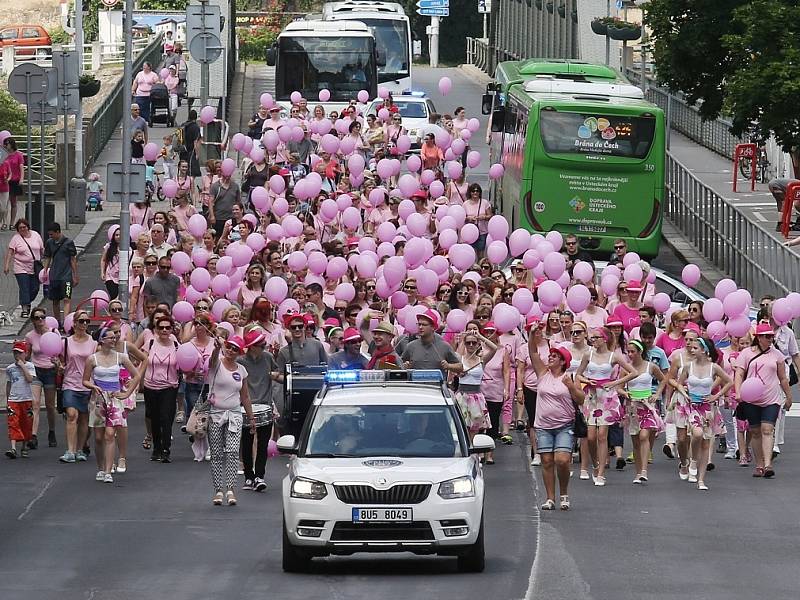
(554, 407)
(77, 353)
(15, 161)
(593, 321)
(205, 351)
(23, 259)
(145, 82)
(38, 358)
(628, 316)
(669, 345)
(142, 215)
(531, 380)
(112, 267)
(477, 209)
(765, 367)
(182, 214)
(249, 296)
(162, 365)
(224, 394)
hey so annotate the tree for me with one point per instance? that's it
(740, 57)
(12, 114)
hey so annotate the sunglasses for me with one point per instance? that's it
(571, 243)
(164, 328)
(151, 264)
(470, 343)
(352, 315)
(485, 267)
(577, 332)
(445, 291)
(297, 327)
(370, 287)
(231, 348)
(410, 288)
(82, 321)
(519, 269)
(115, 310)
(619, 247)
(462, 293)
(202, 307)
(37, 318)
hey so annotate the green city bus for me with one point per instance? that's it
(583, 153)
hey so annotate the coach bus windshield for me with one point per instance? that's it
(391, 41)
(596, 134)
(343, 65)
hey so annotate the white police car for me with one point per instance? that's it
(415, 109)
(383, 464)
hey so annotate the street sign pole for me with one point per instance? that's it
(42, 122)
(125, 209)
(79, 113)
(434, 50)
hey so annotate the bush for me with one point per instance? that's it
(12, 113)
(59, 36)
(253, 43)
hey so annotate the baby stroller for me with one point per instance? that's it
(160, 111)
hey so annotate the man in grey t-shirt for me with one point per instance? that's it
(224, 194)
(164, 286)
(137, 121)
(430, 351)
(301, 350)
(61, 260)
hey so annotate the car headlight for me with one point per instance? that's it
(460, 487)
(308, 489)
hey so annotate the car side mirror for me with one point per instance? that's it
(679, 297)
(498, 120)
(285, 444)
(272, 54)
(486, 103)
(480, 443)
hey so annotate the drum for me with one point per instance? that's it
(262, 415)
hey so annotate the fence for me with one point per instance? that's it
(33, 168)
(99, 129)
(478, 53)
(755, 259)
(95, 54)
(714, 135)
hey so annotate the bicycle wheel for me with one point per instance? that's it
(745, 167)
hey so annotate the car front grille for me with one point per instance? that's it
(416, 531)
(404, 493)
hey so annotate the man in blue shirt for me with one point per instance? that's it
(350, 357)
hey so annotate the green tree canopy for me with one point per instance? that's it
(740, 57)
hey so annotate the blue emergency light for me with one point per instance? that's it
(364, 376)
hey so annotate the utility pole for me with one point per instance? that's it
(125, 211)
(434, 44)
(495, 6)
(79, 114)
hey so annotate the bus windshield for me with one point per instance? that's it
(343, 65)
(585, 133)
(391, 41)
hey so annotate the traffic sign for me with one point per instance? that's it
(434, 12)
(114, 182)
(202, 18)
(620, 4)
(484, 6)
(205, 47)
(39, 114)
(110, 3)
(433, 3)
(28, 83)
(66, 64)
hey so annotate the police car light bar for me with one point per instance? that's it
(363, 376)
(415, 93)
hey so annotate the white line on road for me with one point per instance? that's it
(46, 487)
(756, 204)
(759, 216)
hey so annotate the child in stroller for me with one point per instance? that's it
(94, 192)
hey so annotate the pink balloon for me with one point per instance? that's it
(738, 326)
(408, 184)
(51, 344)
(276, 289)
(351, 218)
(228, 166)
(456, 320)
(170, 188)
(385, 168)
(237, 141)
(337, 266)
(220, 285)
(417, 224)
(363, 96)
(473, 159)
(554, 265)
(630, 258)
(220, 306)
(498, 227)
(188, 357)
(324, 95)
(462, 256)
(716, 331)
(406, 209)
(550, 293)
(583, 271)
(497, 252)
(181, 263)
(609, 284)
(207, 114)
(723, 288)
(578, 298)
(522, 300)
(200, 279)
(752, 389)
(661, 302)
(436, 189)
(394, 270)
(295, 97)
(290, 304)
(506, 317)
(447, 239)
(496, 171)
(317, 263)
(151, 151)
(735, 304)
(713, 310)
(183, 312)
(782, 311)
(345, 292)
(197, 225)
(690, 275)
(403, 144)
(794, 300)
(518, 241)
(427, 282)
(454, 169)
(445, 85)
(633, 272)
(266, 100)
(192, 295)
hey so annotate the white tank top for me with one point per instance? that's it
(471, 376)
(641, 385)
(699, 387)
(599, 371)
(107, 378)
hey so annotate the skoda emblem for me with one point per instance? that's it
(381, 481)
(385, 463)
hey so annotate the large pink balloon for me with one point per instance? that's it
(197, 225)
(554, 265)
(713, 310)
(630, 258)
(151, 151)
(506, 317)
(51, 344)
(498, 227)
(609, 284)
(228, 166)
(782, 311)
(735, 304)
(417, 224)
(445, 85)
(266, 100)
(220, 306)
(200, 279)
(188, 357)
(497, 252)
(690, 275)
(183, 312)
(337, 266)
(462, 256)
(496, 171)
(447, 238)
(752, 389)
(583, 271)
(324, 95)
(716, 331)
(473, 159)
(345, 291)
(456, 320)
(220, 285)
(394, 270)
(578, 298)
(519, 241)
(522, 300)
(276, 289)
(427, 282)
(550, 293)
(351, 218)
(633, 272)
(181, 263)
(661, 302)
(739, 325)
(170, 188)
(207, 114)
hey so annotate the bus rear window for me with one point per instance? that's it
(583, 133)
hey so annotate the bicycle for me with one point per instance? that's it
(762, 161)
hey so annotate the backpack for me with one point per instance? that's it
(178, 145)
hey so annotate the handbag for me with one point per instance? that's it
(579, 428)
(197, 424)
(793, 379)
(37, 263)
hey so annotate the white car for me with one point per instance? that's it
(384, 464)
(415, 109)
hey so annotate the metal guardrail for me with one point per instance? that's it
(740, 247)
(95, 54)
(714, 135)
(478, 53)
(33, 167)
(99, 129)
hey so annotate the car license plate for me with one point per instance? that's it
(383, 515)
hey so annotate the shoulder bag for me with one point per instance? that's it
(37, 263)
(197, 424)
(579, 428)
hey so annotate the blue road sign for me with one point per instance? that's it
(433, 3)
(434, 12)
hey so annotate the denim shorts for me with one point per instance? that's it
(77, 400)
(561, 439)
(756, 415)
(46, 376)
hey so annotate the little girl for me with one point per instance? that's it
(169, 158)
(137, 148)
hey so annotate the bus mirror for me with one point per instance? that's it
(486, 103)
(271, 55)
(498, 120)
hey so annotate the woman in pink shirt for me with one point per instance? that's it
(627, 310)
(253, 286)
(109, 262)
(672, 339)
(142, 84)
(161, 386)
(45, 377)
(25, 247)
(16, 164)
(77, 348)
(763, 361)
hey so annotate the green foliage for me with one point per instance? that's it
(463, 22)
(59, 36)
(253, 43)
(737, 56)
(162, 4)
(12, 113)
(91, 28)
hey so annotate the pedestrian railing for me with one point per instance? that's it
(95, 54)
(723, 234)
(99, 129)
(478, 53)
(36, 158)
(713, 134)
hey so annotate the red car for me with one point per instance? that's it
(26, 38)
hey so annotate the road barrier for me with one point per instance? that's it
(95, 54)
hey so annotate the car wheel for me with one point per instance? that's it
(472, 560)
(294, 559)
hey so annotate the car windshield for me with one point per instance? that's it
(404, 431)
(408, 109)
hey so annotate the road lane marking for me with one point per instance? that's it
(759, 216)
(38, 497)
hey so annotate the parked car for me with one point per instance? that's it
(27, 39)
(415, 108)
